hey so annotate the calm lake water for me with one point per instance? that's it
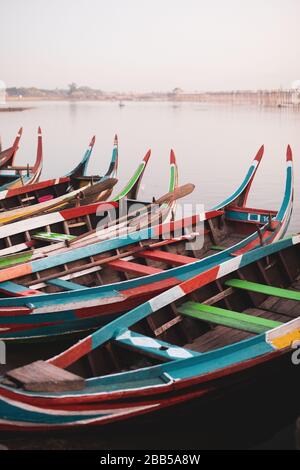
(214, 146)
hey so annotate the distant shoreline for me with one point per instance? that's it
(275, 98)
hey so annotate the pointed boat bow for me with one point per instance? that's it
(113, 167)
(132, 187)
(81, 168)
(7, 157)
(240, 196)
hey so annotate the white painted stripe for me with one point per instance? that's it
(166, 298)
(229, 266)
(296, 239)
(80, 304)
(3, 194)
(13, 249)
(29, 224)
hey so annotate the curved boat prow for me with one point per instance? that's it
(173, 181)
(240, 196)
(7, 157)
(16, 146)
(37, 168)
(132, 187)
(81, 168)
(113, 167)
(275, 227)
(286, 209)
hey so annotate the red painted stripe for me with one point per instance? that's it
(13, 311)
(89, 209)
(14, 327)
(24, 293)
(15, 271)
(176, 225)
(147, 156)
(198, 281)
(172, 157)
(35, 187)
(133, 268)
(170, 258)
(260, 153)
(153, 288)
(71, 355)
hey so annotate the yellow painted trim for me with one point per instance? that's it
(286, 340)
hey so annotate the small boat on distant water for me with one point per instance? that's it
(121, 104)
(214, 330)
(93, 283)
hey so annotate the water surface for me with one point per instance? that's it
(214, 144)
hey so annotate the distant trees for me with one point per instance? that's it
(72, 88)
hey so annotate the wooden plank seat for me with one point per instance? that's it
(40, 376)
(77, 224)
(66, 285)
(134, 268)
(229, 318)
(153, 347)
(167, 257)
(263, 289)
(18, 290)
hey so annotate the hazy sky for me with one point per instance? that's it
(150, 44)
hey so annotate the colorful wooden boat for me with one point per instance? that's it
(68, 224)
(7, 156)
(50, 191)
(16, 176)
(88, 286)
(213, 330)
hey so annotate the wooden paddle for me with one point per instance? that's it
(178, 193)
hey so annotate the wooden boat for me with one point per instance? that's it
(7, 156)
(68, 224)
(16, 176)
(90, 284)
(213, 330)
(54, 191)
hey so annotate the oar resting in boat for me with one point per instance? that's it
(192, 341)
(88, 285)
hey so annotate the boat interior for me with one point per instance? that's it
(149, 257)
(242, 304)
